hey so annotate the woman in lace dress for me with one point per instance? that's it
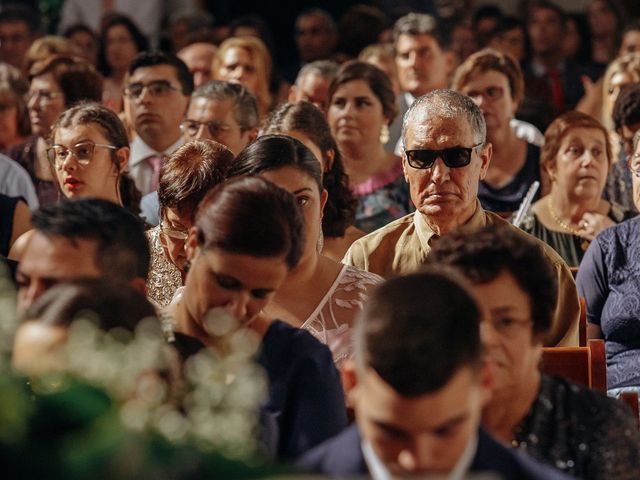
(185, 178)
(304, 121)
(319, 295)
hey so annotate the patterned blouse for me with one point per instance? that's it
(382, 199)
(581, 432)
(609, 280)
(331, 320)
(164, 277)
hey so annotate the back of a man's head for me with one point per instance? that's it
(417, 331)
(122, 251)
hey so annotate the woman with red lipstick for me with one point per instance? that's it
(577, 157)
(89, 152)
(56, 84)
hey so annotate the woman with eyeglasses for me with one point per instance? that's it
(362, 105)
(55, 85)
(494, 82)
(577, 157)
(185, 178)
(571, 427)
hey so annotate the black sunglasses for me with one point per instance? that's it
(454, 157)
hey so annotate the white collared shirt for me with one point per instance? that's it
(139, 169)
(379, 471)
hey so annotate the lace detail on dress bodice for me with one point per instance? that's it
(332, 320)
(164, 277)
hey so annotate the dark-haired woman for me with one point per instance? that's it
(120, 41)
(319, 295)
(361, 107)
(248, 236)
(302, 120)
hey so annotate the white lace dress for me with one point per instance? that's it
(333, 318)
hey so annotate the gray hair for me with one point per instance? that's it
(245, 107)
(420, 23)
(445, 103)
(327, 69)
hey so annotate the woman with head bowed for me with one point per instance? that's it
(248, 235)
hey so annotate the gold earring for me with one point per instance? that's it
(384, 134)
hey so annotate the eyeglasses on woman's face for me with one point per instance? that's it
(82, 151)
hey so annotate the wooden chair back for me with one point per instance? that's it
(583, 365)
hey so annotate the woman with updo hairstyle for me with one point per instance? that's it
(185, 178)
(362, 105)
(89, 152)
(304, 121)
(577, 157)
(248, 235)
(55, 84)
(246, 60)
(320, 295)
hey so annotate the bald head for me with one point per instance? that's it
(444, 104)
(199, 59)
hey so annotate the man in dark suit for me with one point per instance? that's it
(419, 387)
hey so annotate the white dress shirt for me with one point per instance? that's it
(139, 168)
(16, 182)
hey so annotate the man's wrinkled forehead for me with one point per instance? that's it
(425, 127)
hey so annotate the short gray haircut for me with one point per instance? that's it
(327, 69)
(245, 108)
(445, 103)
(418, 24)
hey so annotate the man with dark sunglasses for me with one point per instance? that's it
(445, 155)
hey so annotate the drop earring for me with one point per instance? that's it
(384, 134)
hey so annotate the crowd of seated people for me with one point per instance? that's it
(391, 239)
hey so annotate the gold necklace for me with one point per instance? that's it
(558, 220)
(585, 243)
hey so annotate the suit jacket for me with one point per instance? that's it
(342, 455)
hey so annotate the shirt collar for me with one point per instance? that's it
(140, 150)
(379, 471)
(426, 234)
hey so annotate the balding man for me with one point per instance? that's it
(445, 155)
(312, 83)
(199, 59)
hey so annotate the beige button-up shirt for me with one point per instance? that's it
(402, 247)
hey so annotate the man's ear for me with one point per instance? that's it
(251, 134)
(485, 377)
(450, 62)
(292, 93)
(139, 284)
(324, 196)
(485, 157)
(191, 243)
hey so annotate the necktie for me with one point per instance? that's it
(557, 92)
(156, 164)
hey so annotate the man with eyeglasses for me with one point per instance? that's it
(221, 111)
(445, 156)
(157, 90)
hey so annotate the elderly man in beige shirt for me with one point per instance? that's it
(445, 156)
